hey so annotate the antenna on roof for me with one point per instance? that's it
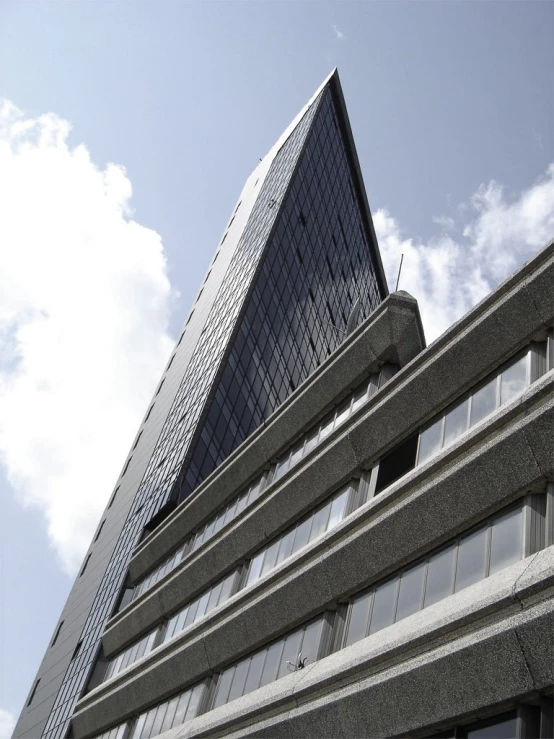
(399, 270)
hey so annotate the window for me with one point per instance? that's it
(33, 691)
(84, 567)
(471, 557)
(113, 497)
(127, 464)
(99, 530)
(55, 639)
(270, 663)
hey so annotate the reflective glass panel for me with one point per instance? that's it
(410, 596)
(272, 661)
(455, 422)
(471, 559)
(429, 442)
(223, 686)
(255, 567)
(384, 605)
(290, 653)
(239, 679)
(440, 575)
(302, 534)
(311, 442)
(311, 640)
(319, 524)
(270, 557)
(255, 672)
(483, 402)
(359, 618)
(338, 508)
(501, 730)
(506, 540)
(194, 702)
(513, 380)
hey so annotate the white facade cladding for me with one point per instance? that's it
(392, 578)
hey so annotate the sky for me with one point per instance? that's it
(127, 130)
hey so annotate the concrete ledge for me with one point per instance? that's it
(392, 333)
(395, 528)
(502, 622)
(335, 465)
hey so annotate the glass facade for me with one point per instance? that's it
(304, 258)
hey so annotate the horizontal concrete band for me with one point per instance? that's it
(420, 512)
(489, 643)
(393, 333)
(486, 336)
(337, 462)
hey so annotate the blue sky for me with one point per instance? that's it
(452, 110)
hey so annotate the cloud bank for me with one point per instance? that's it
(7, 724)
(84, 308)
(451, 273)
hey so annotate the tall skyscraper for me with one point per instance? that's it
(297, 267)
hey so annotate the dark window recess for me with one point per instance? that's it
(77, 649)
(190, 316)
(199, 294)
(299, 255)
(311, 294)
(302, 218)
(171, 361)
(160, 387)
(159, 518)
(397, 462)
(55, 639)
(84, 567)
(125, 596)
(99, 531)
(126, 466)
(292, 385)
(98, 672)
(136, 442)
(33, 691)
(117, 488)
(148, 414)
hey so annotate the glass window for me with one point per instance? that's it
(360, 397)
(241, 504)
(255, 672)
(429, 442)
(326, 427)
(227, 587)
(215, 592)
(311, 442)
(223, 686)
(158, 719)
(285, 549)
(302, 534)
(455, 422)
(359, 618)
(290, 653)
(342, 413)
(501, 730)
(170, 714)
(255, 568)
(239, 679)
(194, 702)
(202, 605)
(483, 402)
(506, 540)
(272, 660)
(338, 508)
(440, 575)
(320, 519)
(471, 559)
(191, 613)
(513, 380)
(282, 466)
(311, 640)
(139, 726)
(410, 596)
(384, 605)
(296, 454)
(270, 557)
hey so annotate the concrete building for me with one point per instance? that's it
(376, 561)
(296, 269)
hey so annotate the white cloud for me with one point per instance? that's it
(449, 276)
(338, 33)
(7, 724)
(84, 307)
